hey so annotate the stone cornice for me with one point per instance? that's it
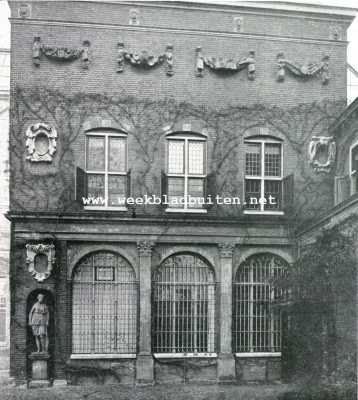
(188, 32)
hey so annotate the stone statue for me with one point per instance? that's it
(36, 51)
(39, 320)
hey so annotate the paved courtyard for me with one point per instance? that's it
(159, 392)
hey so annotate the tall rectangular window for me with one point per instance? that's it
(186, 167)
(263, 175)
(106, 168)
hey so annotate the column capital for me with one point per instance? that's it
(226, 249)
(145, 247)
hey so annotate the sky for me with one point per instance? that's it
(352, 32)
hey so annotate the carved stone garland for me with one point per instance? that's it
(225, 66)
(319, 145)
(33, 250)
(144, 60)
(305, 71)
(41, 142)
(64, 54)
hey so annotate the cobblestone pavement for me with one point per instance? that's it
(158, 392)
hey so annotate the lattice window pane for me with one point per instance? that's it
(272, 159)
(96, 188)
(95, 153)
(184, 306)
(256, 325)
(252, 193)
(175, 156)
(196, 157)
(274, 189)
(117, 154)
(196, 192)
(176, 192)
(104, 306)
(253, 159)
(117, 187)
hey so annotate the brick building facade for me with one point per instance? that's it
(114, 100)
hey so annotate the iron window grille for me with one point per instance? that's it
(106, 169)
(263, 175)
(104, 306)
(184, 306)
(257, 324)
(186, 171)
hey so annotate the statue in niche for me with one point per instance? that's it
(85, 58)
(120, 56)
(36, 51)
(133, 17)
(169, 60)
(199, 62)
(38, 320)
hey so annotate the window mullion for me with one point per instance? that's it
(106, 155)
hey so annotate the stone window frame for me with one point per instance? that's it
(262, 140)
(132, 286)
(251, 284)
(186, 137)
(171, 308)
(106, 133)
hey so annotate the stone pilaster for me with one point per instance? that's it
(226, 360)
(145, 364)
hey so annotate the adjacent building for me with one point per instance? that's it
(162, 156)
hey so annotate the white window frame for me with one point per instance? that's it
(262, 177)
(106, 173)
(187, 138)
(352, 173)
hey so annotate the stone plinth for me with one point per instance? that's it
(39, 370)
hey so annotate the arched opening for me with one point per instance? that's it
(257, 324)
(184, 306)
(104, 305)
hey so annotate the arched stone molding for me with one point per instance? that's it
(187, 126)
(74, 259)
(204, 254)
(244, 254)
(99, 122)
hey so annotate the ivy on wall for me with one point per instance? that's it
(52, 188)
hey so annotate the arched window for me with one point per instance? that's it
(104, 305)
(256, 323)
(184, 306)
(186, 171)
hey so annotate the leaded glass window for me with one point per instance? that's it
(106, 167)
(186, 166)
(104, 305)
(263, 175)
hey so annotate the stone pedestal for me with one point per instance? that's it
(145, 370)
(226, 368)
(39, 370)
